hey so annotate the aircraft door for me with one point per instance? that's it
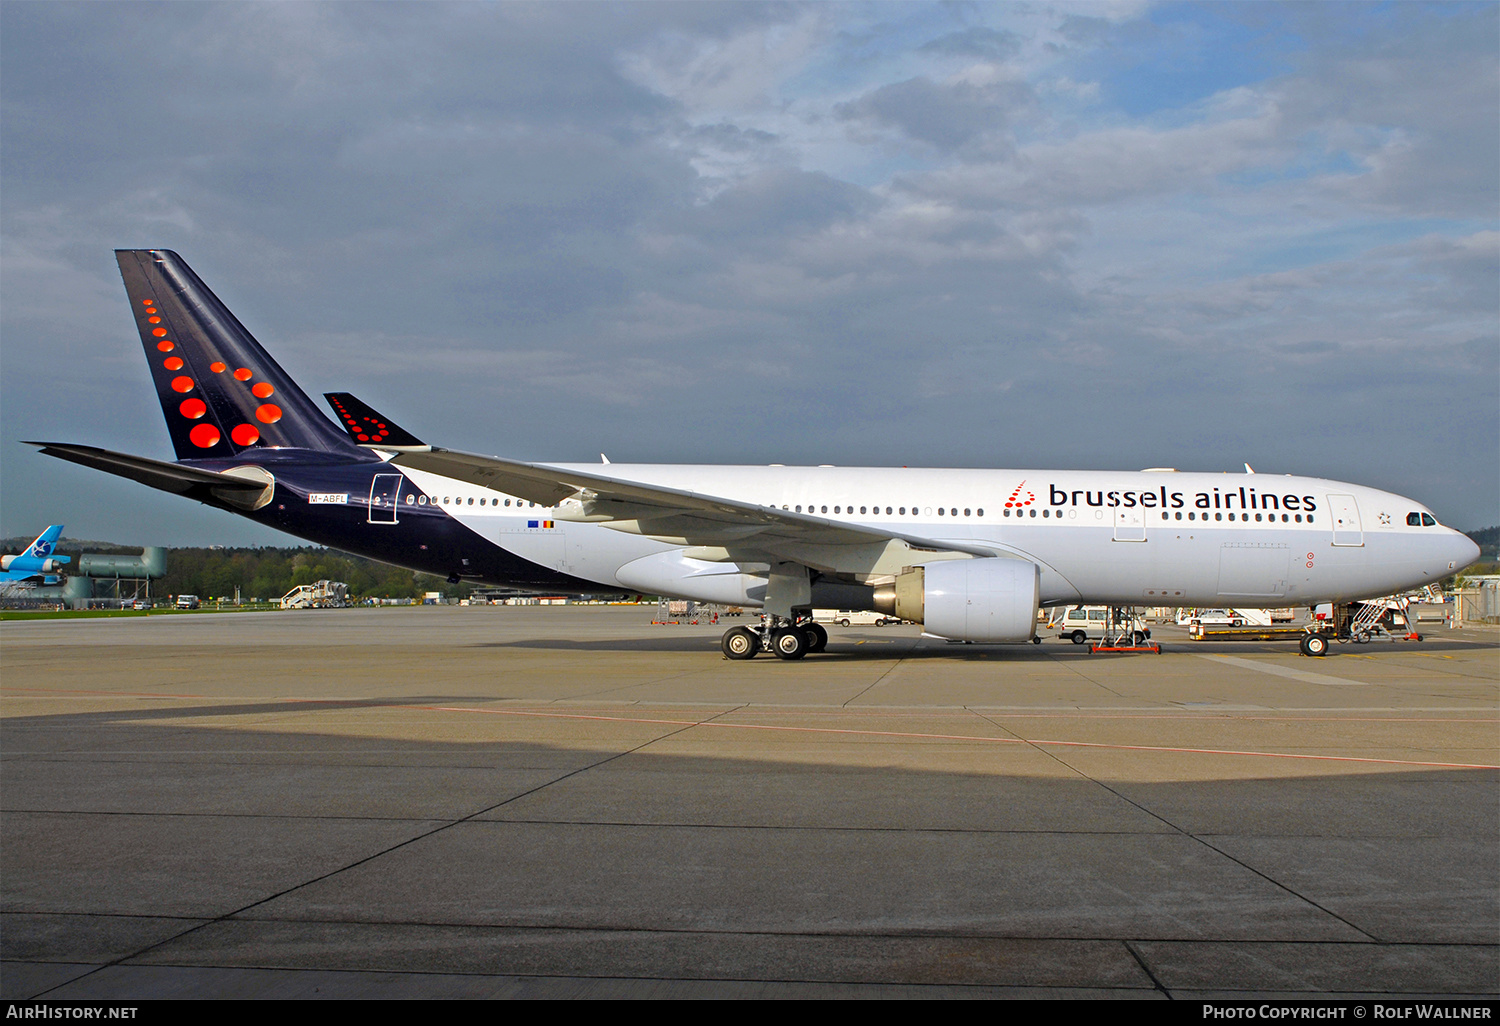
(385, 494)
(1130, 524)
(1346, 527)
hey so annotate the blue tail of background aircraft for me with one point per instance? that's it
(37, 560)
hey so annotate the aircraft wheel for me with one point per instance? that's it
(1314, 645)
(789, 643)
(1079, 637)
(817, 637)
(740, 643)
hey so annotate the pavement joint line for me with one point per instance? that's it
(913, 934)
(1141, 961)
(1075, 667)
(1305, 676)
(1202, 839)
(361, 861)
(888, 671)
(1168, 711)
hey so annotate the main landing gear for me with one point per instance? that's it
(788, 639)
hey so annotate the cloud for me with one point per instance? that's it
(766, 233)
(947, 116)
(976, 41)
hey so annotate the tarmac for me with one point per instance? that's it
(571, 802)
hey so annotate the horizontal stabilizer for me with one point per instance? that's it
(367, 427)
(169, 477)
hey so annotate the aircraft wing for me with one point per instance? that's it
(712, 527)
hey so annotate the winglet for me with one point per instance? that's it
(371, 429)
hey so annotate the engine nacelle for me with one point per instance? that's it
(987, 600)
(46, 566)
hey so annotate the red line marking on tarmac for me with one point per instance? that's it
(962, 737)
(834, 730)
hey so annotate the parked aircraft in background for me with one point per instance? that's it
(37, 564)
(970, 554)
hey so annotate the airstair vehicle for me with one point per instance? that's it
(318, 595)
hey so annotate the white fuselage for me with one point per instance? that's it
(1142, 538)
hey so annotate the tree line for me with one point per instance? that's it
(269, 572)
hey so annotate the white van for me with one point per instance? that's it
(853, 617)
(188, 602)
(1080, 624)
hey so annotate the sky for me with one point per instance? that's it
(1025, 235)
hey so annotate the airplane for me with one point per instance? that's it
(35, 565)
(969, 554)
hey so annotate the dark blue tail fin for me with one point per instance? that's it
(220, 392)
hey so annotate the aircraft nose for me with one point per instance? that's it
(1462, 552)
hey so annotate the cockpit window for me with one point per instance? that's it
(1428, 520)
(1413, 520)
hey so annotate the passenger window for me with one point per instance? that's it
(966, 513)
(941, 511)
(981, 512)
(888, 511)
(861, 509)
(1033, 512)
(1046, 512)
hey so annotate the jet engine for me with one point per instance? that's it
(987, 600)
(46, 566)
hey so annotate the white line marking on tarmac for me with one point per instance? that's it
(1284, 671)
